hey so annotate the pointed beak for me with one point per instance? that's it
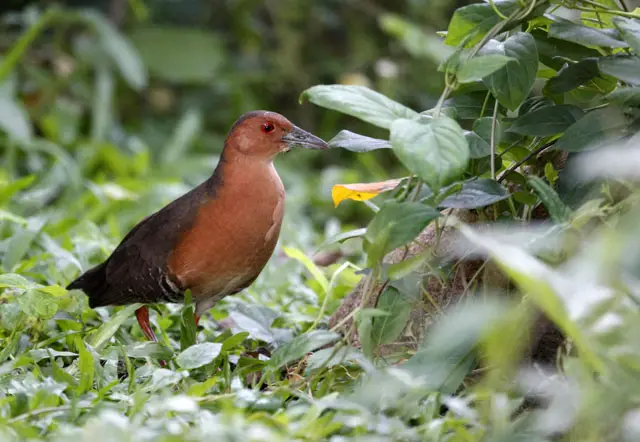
(300, 138)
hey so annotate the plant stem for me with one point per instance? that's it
(493, 140)
(525, 159)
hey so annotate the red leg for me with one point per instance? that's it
(143, 319)
(197, 318)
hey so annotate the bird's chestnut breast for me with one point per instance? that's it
(233, 236)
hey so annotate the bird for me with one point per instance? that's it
(214, 240)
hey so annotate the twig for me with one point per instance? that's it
(525, 159)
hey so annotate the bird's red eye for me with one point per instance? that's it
(267, 127)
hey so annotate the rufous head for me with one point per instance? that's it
(264, 134)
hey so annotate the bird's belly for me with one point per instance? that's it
(225, 251)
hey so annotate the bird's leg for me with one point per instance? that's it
(197, 319)
(143, 319)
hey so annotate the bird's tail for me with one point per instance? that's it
(94, 283)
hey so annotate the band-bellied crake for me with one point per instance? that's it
(216, 239)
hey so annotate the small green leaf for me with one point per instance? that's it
(476, 193)
(37, 303)
(341, 237)
(151, 350)
(188, 329)
(398, 223)
(357, 143)
(86, 366)
(573, 75)
(557, 210)
(385, 329)
(585, 35)
(300, 346)
(106, 331)
(317, 274)
(19, 245)
(512, 84)
(624, 68)
(593, 129)
(477, 68)
(198, 355)
(547, 121)
(330, 357)
(434, 149)
(360, 102)
(469, 106)
(478, 148)
(475, 20)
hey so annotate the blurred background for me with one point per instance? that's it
(207, 62)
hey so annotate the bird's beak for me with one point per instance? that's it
(300, 138)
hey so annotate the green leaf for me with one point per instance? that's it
(119, 49)
(86, 366)
(470, 105)
(477, 68)
(385, 329)
(317, 274)
(475, 20)
(512, 84)
(476, 193)
(585, 35)
(188, 328)
(573, 75)
(16, 281)
(152, 350)
(593, 129)
(360, 102)
(554, 52)
(478, 147)
(625, 95)
(624, 68)
(106, 331)
(19, 244)
(181, 55)
(434, 149)
(37, 303)
(357, 143)
(300, 346)
(330, 357)
(630, 30)
(558, 211)
(547, 121)
(536, 280)
(14, 120)
(341, 237)
(482, 126)
(198, 355)
(398, 223)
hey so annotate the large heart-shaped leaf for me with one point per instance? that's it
(476, 20)
(360, 102)
(476, 193)
(434, 149)
(385, 329)
(512, 84)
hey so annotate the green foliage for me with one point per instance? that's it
(119, 120)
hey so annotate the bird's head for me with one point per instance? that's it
(263, 135)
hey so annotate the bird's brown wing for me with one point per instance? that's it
(137, 271)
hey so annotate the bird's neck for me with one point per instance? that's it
(243, 173)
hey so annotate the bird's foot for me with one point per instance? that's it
(142, 314)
